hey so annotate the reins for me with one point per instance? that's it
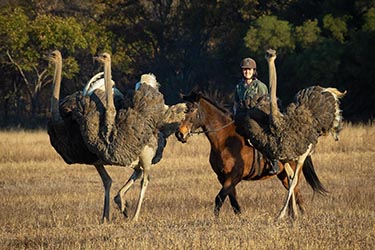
(213, 130)
(209, 131)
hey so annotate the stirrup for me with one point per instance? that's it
(274, 167)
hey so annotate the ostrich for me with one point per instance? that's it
(127, 137)
(65, 135)
(292, 135)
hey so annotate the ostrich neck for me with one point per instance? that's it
(110, 112)
(272, 85)
(108, 87)
(56, 91)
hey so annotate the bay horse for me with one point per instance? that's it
(233, 159)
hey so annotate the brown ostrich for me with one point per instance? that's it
(127, 137)
(65, 135)
(292, 135)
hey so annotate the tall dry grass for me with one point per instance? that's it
(47, 204)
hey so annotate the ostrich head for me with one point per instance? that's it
(55, 57)
(103, 58)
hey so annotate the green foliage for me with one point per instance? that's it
(187, 43)
(269, 32)
(336, 26)
(29, 40)
(369, 20)
(308, 34)
(14, 29)
(97, 38)
(53, 32)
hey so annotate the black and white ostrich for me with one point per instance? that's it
(125, 137)
(65, 135)
(293, 134)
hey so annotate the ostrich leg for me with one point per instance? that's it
(301, 160)
(121, 203)
(144, 184)
(145, 160)
(290, 174)
(107, 182)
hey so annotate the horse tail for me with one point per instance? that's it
(311, 177)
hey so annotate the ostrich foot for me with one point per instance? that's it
(121, 205)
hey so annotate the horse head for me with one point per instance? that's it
(193, 117)
(204, 112)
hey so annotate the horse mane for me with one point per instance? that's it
(215, 98)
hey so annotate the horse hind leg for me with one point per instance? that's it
(296, 201)
(300, 202)
(286, 180)
(293, 183)
(289, 196)
(296, 198)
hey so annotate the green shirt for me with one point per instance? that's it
(247, 94)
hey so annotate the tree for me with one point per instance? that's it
(27, 40)
(269, 32)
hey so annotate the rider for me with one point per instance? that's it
(249, 87)
(248, 90)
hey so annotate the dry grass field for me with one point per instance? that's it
(47, 204)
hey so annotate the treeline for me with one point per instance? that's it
(185, 43)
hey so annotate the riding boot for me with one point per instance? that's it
(274, 167)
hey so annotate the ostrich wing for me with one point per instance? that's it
(173, 115)
(314, 112)
(65, 135)
(133, 129)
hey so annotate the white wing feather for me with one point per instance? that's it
(97, 82)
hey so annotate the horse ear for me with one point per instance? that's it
(192, 97)
(182, 96)
(187, 98)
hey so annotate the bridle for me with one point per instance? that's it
(200, 116)
(211, 131)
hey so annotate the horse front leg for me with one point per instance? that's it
(219, 200)
(233, 201)
(228, 189)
